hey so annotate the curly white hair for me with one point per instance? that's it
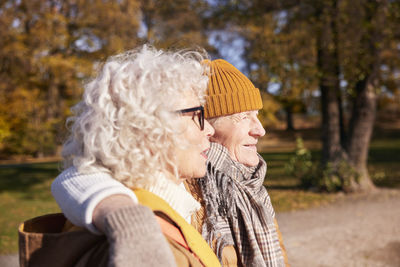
(125, 124)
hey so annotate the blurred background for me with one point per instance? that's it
(329, 73)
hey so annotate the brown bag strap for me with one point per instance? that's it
(172, 232)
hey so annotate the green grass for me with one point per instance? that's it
(285, 191)
(24, 193)
(25, 189)
(383, 162)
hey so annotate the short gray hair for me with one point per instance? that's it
(236, 117)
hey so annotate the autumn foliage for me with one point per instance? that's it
(344, 54)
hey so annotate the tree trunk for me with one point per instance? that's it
(343, 136)
(365, 102)
(289, 118)
(327, 61)
(331, 147)
(361, 127)
(53, 98)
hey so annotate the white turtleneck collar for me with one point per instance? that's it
(175, 195)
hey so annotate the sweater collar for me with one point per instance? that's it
(175, 195)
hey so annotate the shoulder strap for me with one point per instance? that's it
(172, 232)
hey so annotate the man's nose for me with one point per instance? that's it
(257, 130)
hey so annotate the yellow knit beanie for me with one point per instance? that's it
(229, 91)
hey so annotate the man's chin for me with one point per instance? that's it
(251, 163)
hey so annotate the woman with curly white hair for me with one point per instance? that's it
(141, 121)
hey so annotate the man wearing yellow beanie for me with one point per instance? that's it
(236, 218)
(229, 91)
(238, 211)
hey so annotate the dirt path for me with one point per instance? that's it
(361, 230)
(9, 260)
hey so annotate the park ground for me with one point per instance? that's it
(359, 230)
(319, 229)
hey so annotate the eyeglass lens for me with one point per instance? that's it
(197, 111)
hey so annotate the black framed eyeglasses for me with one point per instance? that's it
(197, 112)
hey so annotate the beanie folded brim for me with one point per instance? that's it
(231, 103)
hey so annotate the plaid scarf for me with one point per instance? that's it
(239, 210)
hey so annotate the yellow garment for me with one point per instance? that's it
(194, 240)
(229, 91)
(284, 253)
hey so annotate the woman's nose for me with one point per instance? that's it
(208, 129)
